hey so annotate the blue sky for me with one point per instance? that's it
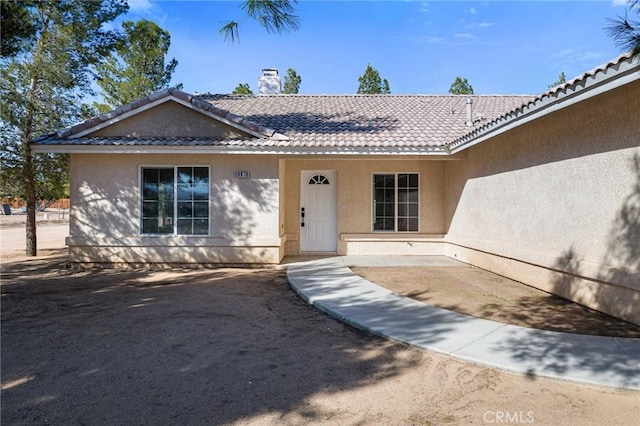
(501, 47)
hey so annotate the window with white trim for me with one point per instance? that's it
(175, 200)
(395, 202)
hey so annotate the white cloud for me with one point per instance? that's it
(140, 5)
(486, 24)
(464, 35)
(472, 11)
(616, 3)
(424, 7)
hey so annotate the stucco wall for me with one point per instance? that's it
(169, 119)
(355, 234)
(105, 219)
(556, 203)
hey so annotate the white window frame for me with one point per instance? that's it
(175, 199)
(395, 204)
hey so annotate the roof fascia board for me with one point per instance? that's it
(111, 149)
(551, 105)
(160, 101)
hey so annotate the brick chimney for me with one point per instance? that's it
(269, 82)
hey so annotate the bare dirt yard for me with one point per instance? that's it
(482, 294)
(238, 346)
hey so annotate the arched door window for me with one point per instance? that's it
(318, 180)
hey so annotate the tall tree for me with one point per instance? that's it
(275, 16)
(15, 27)
(561, 80)
(626, 32)
(461, 86)
(137, 67)
(371, 83)
(43, 84)
(291, 82)
(242, 89)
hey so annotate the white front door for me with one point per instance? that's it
(318, 211)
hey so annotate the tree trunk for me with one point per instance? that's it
(28, 173)
(32, 246)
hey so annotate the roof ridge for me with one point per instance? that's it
(344, 95)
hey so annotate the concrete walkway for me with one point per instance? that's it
(329, 284)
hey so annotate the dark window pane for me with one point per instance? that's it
(166, 176)
(165, 208)
(201, 174)
(402, 209)
(185, 175)
(150, 175)
(185, 210)
(149, 191)
(389, 209)
(413, 180)
(201, 209)
(150, 209)
(165, 225)
(412, 195)
(201, 226)
(185, 226)
(150, 226)
(413, 224)
(413, 210)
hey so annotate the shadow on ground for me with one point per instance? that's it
(173, 346)
(473, 291)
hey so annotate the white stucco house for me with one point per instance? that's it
(543, 189)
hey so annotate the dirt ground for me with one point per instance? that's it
(482, 294)
(235, 346)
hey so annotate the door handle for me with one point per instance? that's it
(302, 217)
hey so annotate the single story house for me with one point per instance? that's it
(542, 189)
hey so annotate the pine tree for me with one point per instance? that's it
(371, 83)
(242, 89)
(137, 67)
(291, 82)
(275, 16)
(461, 86)
(42, 86)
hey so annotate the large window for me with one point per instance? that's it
(395, 202)
(175, 200)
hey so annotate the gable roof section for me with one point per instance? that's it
(623, 70)
(77, 133)
(343, 124)
(306, 124)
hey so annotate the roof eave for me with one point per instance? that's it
(268, 150)
(592, 85)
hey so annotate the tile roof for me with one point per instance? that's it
(384, 123)
(354, 121)
(366, 120)
(624, 65)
